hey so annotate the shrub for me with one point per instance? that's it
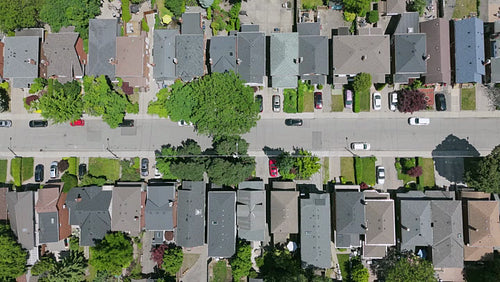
(3, 171)
(407, 163)
(209, 13)
(144, 25)
(357, 102)
(63, 165)
(126, 16)
(70, 181)
(349, 17)
(290, 101)
(363, 186)
(362, 81)
(372, 16)
(415, 171)
(410, 101)
(320, 86)
(380, 86)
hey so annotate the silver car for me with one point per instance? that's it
(276, 103)
(54, 172)
(5, 123)
(393, 101)
(360, 146)
(380, 175)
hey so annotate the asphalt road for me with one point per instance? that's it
(325, 137)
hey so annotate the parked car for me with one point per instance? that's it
(39, 173)
(78, 122)
(157, 172)
(318, 100)
(82, 170)
(393, 101)
(184, 123)
(293, 122)
(54, 172)
(144, 167)
(380, 175)
(377, 101)
(440, 102)
(5, 123)
(276, 103)
(360, 146)
(259, 100)
(38, 123)
(419, 121)
(273, 169)
(348, 99)
(127, 123)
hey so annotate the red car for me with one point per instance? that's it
(78, 122)
(318, 100)
(273, 169)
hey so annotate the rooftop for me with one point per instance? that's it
(284, 212)
(252, 56)
(189, 52)
(284, 59)
(131, 60)
(438, 48)
(191, 214)
(223, 53)
(350, 218)
(21, 216)
(21, 57)
(126, 209)
(164, 54)
(159, 207)
(469, 50)
(251, 213)
(102, 47)
(63, 60)
(221, 223)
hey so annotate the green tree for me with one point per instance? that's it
(349, 17)
(358, 272)
(172, 260)
(70, 268)
(112, 254)
(45, 265)
(278, 264)
(417, 6)
(372, 16)
(485, 174)
(231, 145)
(177, 7)
(39, 84)
(230, 171)
(164, 159)
(188, 169)
(362, 82)
(61, 104)
(359, 7)
(159, 107)
(12, 255)
(241, 264)
(70, 181)
(19, 14)
(4, 100)
(488, 270)
(404, 266)
(285, 163)
(306, 164)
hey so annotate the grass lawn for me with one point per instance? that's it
(109, 168)
(309, 100)
(463, 8)
(364, 98)
(427, 177)
(130, 169)
(27, 168)
(15, 171)
(3, 171)
(365, 170)
(468, 97)
(326, 170)
(347, 169)
(73, 165)
(405, 177)
(290, 101)
(220, 271)
(344, 264)
(188, 261)
(337, 103)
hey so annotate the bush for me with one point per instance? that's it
(380, 86)
(126, 16)
(144, 25)
(209, 13)
(73, 165)
(410, 101)
(372, 16)
(3, 171)
(362, 81)
(70, 181)
(320, 86)
(349, 17)
(290, 101)
(357, 102)
(63, 165)
(415, 171)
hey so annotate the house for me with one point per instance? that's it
(350, 221)
(189, 56)
(438, 49)
(409, 56)
(284, 60)
(164, 54)
(405, 23)
(62, 59)
(159, 211)
(251, 52)
(315, 230)
(284, 213)
(20, 207)
(223, 54)
(47, 215)
(251, 211)
(191, 214)
(131, 60)
(352, 54)
(313, 53)
(191, 23)
(495, 53)
(221, 224)
(469, 50)
(21, 58)
(63, 213)
(89, 211)
(380, 222)
(126, 208)
(102, 47)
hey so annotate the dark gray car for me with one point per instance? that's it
(38, 123)
(39, 173)
(144, 167)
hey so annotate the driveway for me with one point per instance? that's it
(391, 176)
(268, 14)
(198, 272)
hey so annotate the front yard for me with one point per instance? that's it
(337, 103)
(109, 168)
(3, 171)
(343, 264)
(463, 8)
(365, 170)
(468, 99)
(364, 100)
(347, 170)
(427, 177)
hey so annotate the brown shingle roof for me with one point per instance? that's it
(284, 211)
(438, 48)
(483, 225)
(47, 200)
(131, 60)
(63, 211)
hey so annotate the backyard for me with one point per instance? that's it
(468, 99)
(337, 103)
(463, 8)
(343, 264)
(109, 168)
(347, 170)
(221, 272)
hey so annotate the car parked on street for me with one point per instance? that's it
(360, 146)
(273, 169)
(39, 173)
(127, 123)
(259, 100)
(293, 122)
(5, 123)
(78, 122)
(82, 170)
(419, 121)
(380, 175)
(318, 100)
(440, 102)
(276, 103)
(144, 167)
(393, 101)
(38, 123)
(377, 101)
(348, 99)
(54, 171)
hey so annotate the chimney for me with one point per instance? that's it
(405, 228)
(136, 218)
(487, 62)
(32, 62)
(473, 228)
(210, 61)
(363, 202)
(426, 58)
(364, 226)
(175, 61)
(78, 198)
(238, 61)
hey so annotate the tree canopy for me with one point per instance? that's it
(112, 254)
(4, 100)
(230, 172)
(417, 6)
(489, 270)
(60, 103)
(359, 7)
(484, 174)
(12, 256)
(177, 7)
(410, 101)
(172, 260)
(278, 264)
(70, 268)
(404, 266)
(159, 107)
(362, 81)
(19, 14)
(302, 165)
(241, 264)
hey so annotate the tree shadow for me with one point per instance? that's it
(272, 152)
(449, 157)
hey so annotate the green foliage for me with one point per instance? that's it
(372, 16)
(380, 86)
(278, 264)
(404, 266)
(485, 174)
(349, 17)
(176, 6)
(70, 181)
(46, 264)
(417, 6)
(164, 160)
(62, 103)
(39, 84)
(27, 168)
(12, 256)
(416, 84)
(159, 107)
(4, 100)
(220, 271)
(361, 82)
(306, 164)
(320, 86)
(172, 260)
(74, 243)
(3, 171)
(311, 4)
(285, 163)
(126, 16)
(290, 101)
(205, 4)
(132, 108)
(144, 25)
(109, 168)
(241, 264)
(359, 7)
(73, 163)
(130, 170)
(70, 268)
(487, 270)
(90, 180)
(358, 272)
(229, 171)
(188, 170)
(19, 14)
(112, 254)
(209, 13)
(15, 171)
(230, 145)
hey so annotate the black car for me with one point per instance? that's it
(127, 123)
(144, 167)
(293, 122)
(39, 173)
(39, 123)
(258, 99)
(82, 170)
(440, 102)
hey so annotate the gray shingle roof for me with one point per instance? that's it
(350, 218)
(223, 53)
(410, 52)
(59, 48)
(189, 52)
(415, 224)
(48, 225)
(221, 223)
(159, 207)
(126, 209)
(21, 57)
(191, 214)
(164, 54)
(251, 212)
(448, 242)
(284, 59)
(20, 206)
(469, 50)
(408, 23)
(191, 23)
(313, 49)
(438, 47)
(284, 212)
(102, 47)
(495, 55)
(249, 28)
(89, 208)
(315, 228)
(308, 28)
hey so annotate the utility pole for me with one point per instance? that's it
(109, 150)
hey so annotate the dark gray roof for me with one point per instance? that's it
(249, 28)
(21, 57)
(251, 214)
(350, 218)
(191, 23)
(164, 54)
(48, 227)
(313, 51)
(37, 31)
(255, 185)
(448, 242)
(189, 52)
(469, 50)
(102, 47)
(252, 55)
(191, 214)
(315, 228)
(159, 207)
(284, 59)
(438, 48)
(223, 53)
(408, 23)
(308, 28)
(410, 52)
(59, 48)
(20, 206)
(89, 208)
(221, 223)
(415, 224)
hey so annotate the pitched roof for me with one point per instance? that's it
(221, 223)
(308, 28)
(448, 243)
(48, 218)
(483, 223)
(21, 57)
(495, 54)
(62, 58)
(380, 221)
(353, 54)
(223, 53)
(251, 214)
(284, 211)
(469, 50)
(191, 214)
(159, 207)
(191, 23)
(438, 48)
(63, 212)
(131, 60)
(409, 55)
(47, 200)
(315, 228)
(284, 56)
(126, 209)
(3, 203)
(89, 208)
(415, 224)
(102, 47)
(395, 7)
(350, 218)
(189, 52)
(164, 54)
(252, 55)
(407, 23)
(21, 216)
(313, 49)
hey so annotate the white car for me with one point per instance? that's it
(184, 123)
(54, 172)
(360, 146)
(393, 101)
(377, 101)
(380, 175)
(419, 121)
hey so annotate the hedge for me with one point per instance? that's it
(145, 25)
(357, 102)
(3, 171)
(15, 171)
(126, 11)
(290, 101)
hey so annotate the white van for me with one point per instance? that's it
(419, 121)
